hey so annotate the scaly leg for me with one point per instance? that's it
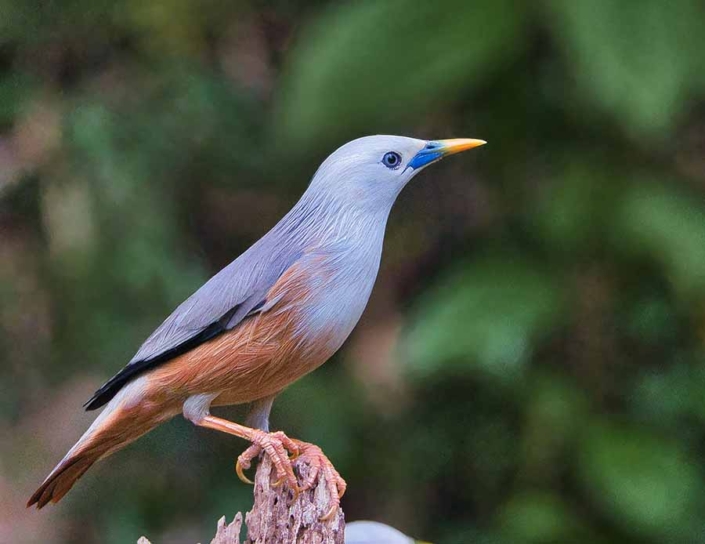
(275, 445)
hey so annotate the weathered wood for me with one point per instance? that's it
(277, 517)
(228, 533)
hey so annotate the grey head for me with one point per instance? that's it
(368, 173)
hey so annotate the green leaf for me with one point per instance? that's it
(655, 220)
(646, 483)
(672, 395)
(539, 517)
(34, 22)
(365, 65)
(572, 209)
(634, 60)
(15, 91)
(553, 416)
(490, 312)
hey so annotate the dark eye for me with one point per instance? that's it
(391, 160)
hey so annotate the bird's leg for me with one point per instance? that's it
(275, 445)
(320, 464)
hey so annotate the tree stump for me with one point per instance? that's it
(277, 517)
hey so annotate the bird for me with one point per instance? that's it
(277, 312)
(373, 532)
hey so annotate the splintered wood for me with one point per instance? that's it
(277, 517)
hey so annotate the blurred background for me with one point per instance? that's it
(531, 365)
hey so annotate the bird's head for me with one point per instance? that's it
(370, 172)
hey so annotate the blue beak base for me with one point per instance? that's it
(435, 150)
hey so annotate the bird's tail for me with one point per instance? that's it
(117, 426)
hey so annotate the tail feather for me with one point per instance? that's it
(119, 424)
(61, 480)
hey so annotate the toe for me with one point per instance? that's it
(282, 464)
(331, 511)
(288, 443)
(240, 474)
(312, 477)
(320, 466)
(244, 462)
(342, 486)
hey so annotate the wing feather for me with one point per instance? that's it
(222, 303)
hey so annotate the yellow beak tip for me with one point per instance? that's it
(456, 145)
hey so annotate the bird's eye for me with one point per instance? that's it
(391, 160)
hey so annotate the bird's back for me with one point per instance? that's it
(337, 256)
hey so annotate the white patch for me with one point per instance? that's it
(132, 393)
(197, 407)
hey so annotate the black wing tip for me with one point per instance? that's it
(93, 403)
(111, 388)
(108, 390)
(100, 398)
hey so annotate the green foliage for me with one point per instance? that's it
(371, 65)
(641, 62)
(540, 517)
(491, 312)
(667, 226)
(647, 483)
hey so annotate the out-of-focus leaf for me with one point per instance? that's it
(556, 404)
(15, 91)
(570, 215)
(653, 320)
(366, 64)
(635, 60)
(223, 136)
(672, 395)
(490, 313)
(174, 27)
(34, 22)
(656, 221)
(540, 517)
(554, 412)
(648, 484)
(140, 259)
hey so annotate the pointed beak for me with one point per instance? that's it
(435, 150)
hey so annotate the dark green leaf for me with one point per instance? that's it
(364, 65)
(489, 314)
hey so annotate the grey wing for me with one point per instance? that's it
(237, 291)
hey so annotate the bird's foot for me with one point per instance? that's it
(321, 465)
(277, 446)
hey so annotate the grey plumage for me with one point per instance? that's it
(325, 218)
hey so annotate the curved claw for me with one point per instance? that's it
(329, 514)
(241, 474)
(296, 489)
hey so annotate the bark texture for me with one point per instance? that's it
(277, 517)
